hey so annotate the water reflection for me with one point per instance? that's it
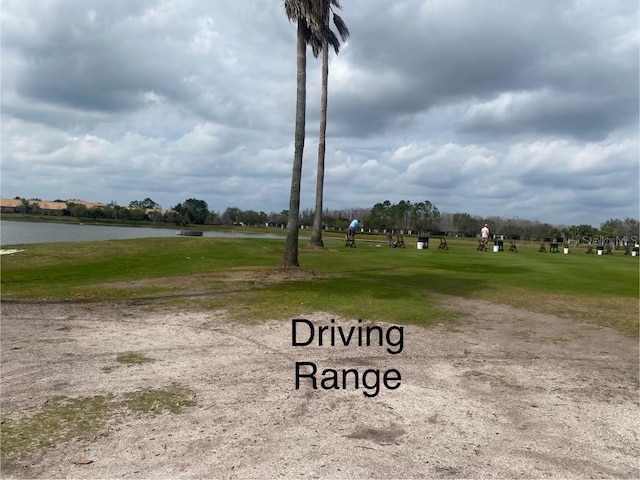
(21, 233)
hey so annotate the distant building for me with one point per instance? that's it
(49, 208)
(11, 205)
(76, 201)
(40, 207)
(45, 207)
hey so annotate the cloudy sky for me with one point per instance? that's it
(514, 108)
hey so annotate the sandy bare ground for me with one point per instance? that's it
(504, 393)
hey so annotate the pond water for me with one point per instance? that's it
(22, 233)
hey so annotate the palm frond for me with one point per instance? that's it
(342, 28)
(310, 11)
(314, 16)
(314, 41)
(332, 40)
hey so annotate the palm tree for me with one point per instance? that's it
(307, 14)
(327, 38)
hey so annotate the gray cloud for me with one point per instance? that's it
(526, 109)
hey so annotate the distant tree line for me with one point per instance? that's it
(404, 215)
(521, 229)
(420, 217)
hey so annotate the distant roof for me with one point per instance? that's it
(46, 205)
(85, 203)
(10, 202)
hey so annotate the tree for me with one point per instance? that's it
(96, 212)
(376, 216)
(327, 37)
(231, 216)
(25, 207)
(380, 215)
(279, 218)
(465, 223)
(424, 215)
(193, 210)
(155, 216)
(624, 230)
(631, 228)
(144, 204)
(400, 213)
(583, 232)
(136, 214)
(253, 218)
(213, 218)
(79, 210)
(306, 14)
(306, 217)
(173, 216)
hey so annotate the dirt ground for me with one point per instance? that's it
(503, 393)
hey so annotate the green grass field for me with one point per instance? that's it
(371, 281)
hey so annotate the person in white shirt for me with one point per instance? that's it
(484, 234)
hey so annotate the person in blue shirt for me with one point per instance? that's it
(353, 227)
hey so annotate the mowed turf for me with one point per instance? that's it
(371, 281)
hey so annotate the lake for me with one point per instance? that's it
(22, 233)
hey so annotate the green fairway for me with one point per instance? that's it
(371, 281)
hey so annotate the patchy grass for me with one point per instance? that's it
(58, 420)
(62, 419)
(372, 281)
(133, 358)
(172, 399)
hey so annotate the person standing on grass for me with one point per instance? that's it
(353, 228)
(484, 234)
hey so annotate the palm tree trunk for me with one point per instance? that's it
(316, 234)
(290, 258)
